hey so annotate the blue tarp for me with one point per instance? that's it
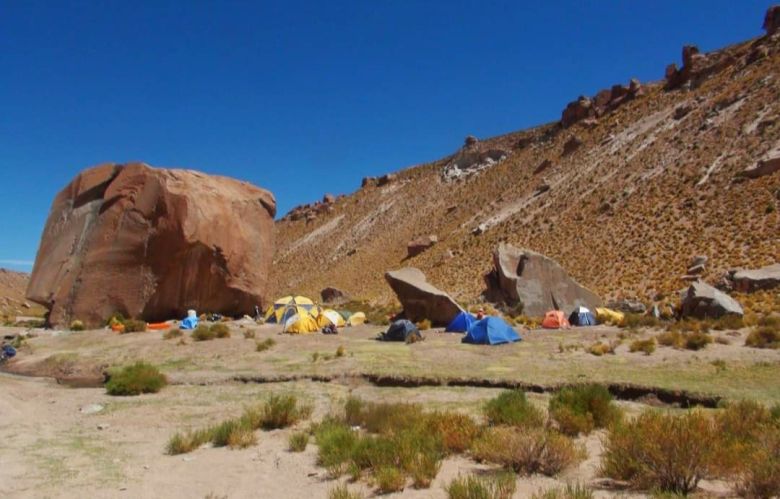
(461, 323)
(491, 331)
(189, 323)
(581, 316)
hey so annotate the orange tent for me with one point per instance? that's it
(554, 319)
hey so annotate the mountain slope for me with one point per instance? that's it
(627, 198)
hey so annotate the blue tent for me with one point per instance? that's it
(581, 316)
(491, 331)
(401, 330)
(461, 323)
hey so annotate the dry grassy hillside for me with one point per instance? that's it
(12, 300)
(653, 183)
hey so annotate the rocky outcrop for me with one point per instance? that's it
(628, 306)
(705, 302)
(605, 101)
(767, 165)
(420, 244)
(749, 281)
(472, 159)
(152, 243)
(333, 295)
(420, 299)
(772, 20)
(696, 67)
(536, 281)
(311, 211)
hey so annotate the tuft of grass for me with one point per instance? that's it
(343, 492)
(76, 325)
(241, 437)
(424, 324)
(172, 333)
(456, 431)
(598, 349)
(646, 346)
(763, 337)
(134, 326)
(389, 479)
(298, 441)
(136, 379)
(382, 417)
(528, 450)
(580, 409)
(513, 409)
(576, 491)
(341, 351)
(182, 443)
(281, 411)
(728, 322)
(672, 339)
(336, 442)
(249, 334)
(220, 330)
(264, 345)
(697, 340)
(203, 333)
(496, 486)
(636, 321)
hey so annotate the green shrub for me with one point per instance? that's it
(182, 443)
(172, 333)
(77, 325)
(382, 417)
(298, 441)
(635, 321)
(662, 451)
(343, 492)
(136, 379)
(579, 409)
(569, 492)
(456, 431)
(763, 337)
(336, 442)
(265, 344)
(697, 340)
(425, 467)
(134, 326)
(249, 334)
(281, 411)
(512, 408)
(203, 333)
(495, 486)
(647, 346)
(528, 450)
(389, 479)
(220, 330)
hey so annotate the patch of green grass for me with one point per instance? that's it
(493, 486)
(389, 479)
(580, 409)
(570, 491)
(512, 408)
(264, 345)
(136, 379)
(343, 492)
(298, 441)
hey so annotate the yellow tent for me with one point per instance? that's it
(284, 308)
(330, 316)
(301, 323)
(609, 316)
(356, 319)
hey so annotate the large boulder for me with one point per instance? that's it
(539, 282)
(703, 301)
(333, 295)
(772, 19)
(151, 243)
(420, 299)
(748, 281)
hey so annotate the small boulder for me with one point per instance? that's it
(767, 165)
(420, 299)
(470, 141)
(698, 260)
(748, 281)
(577, 110)
(386, 179)
(328, 199)
(704, 301)
(571, 145)
(332, 295)
(420, 244)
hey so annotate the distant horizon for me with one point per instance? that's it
(268, 93)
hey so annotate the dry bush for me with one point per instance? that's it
(728, 322)
(134, 326)
(264, 345)
(424, 324)
(579, 409)
(763, 337)
(646, 346)
(511, 407)
(172, 333)
(220, 330)
(599, 348)
(457, 431)
(203, 333)
(697, 340)
(341, 351)
(528, 450)
(249, 334)
(636, 321)
(76, 325)
(672, 339)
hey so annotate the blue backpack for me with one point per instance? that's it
(9, 351)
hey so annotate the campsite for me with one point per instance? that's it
(491, 250)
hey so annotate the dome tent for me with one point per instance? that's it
(491, 331)
(461, 323)
(554, 319)
(401, 330)
(581, 316)
(284, 308)
(301, 323)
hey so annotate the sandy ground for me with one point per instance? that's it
(53, 445)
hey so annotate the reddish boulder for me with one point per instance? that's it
(420, 299)
(420, 244)
(333, 295)
(151, 243)
(575, 111)
(772, 19)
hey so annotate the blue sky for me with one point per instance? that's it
(302, 97)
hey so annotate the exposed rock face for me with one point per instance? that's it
(772, 19)
(696, 68)
(767, 165)
(703, 301)
(472, 159)
(386, 179)
(586, 109)
(628, 306)
(748, 281)
(332, 295)
(152, 243)
(417, 246)
(522, 275)
(420, 299)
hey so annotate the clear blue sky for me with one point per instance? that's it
(305, 98)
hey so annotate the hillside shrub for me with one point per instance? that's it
(662, 451)
(527, 450)
(136, 379)
(581, 408)
(645, 346)
(511, 407)
(134, 326)
(728, 322)
(599, 348)
(500, 485)
(203, 333)
(636, 321)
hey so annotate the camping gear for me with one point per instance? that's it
(554, 319)
(7, 352)
(157, 326)
(609, 316)
(191, 321)
(329, 316)
(330, 329)
(284, 308)
(118, 327)
(356, 319)
(301, 323)
(461, 323)
(491, 331)
(581, 316)
(401, 330)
